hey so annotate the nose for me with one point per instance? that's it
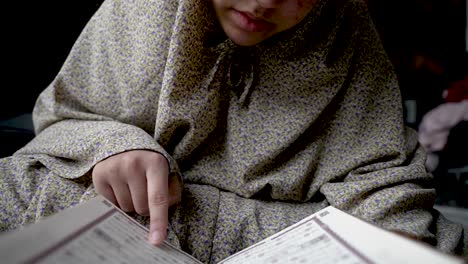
(269, 3)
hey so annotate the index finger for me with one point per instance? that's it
(158, 204)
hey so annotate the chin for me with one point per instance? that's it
(245, 43)
(243, 39)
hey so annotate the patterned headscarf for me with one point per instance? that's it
(310, 116)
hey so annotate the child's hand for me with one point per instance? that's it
(138, 180)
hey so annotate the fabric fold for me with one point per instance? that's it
(261, 136)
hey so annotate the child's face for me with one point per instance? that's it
(248, 22)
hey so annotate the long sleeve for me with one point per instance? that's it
(315, 120)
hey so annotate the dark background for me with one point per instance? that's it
(425, 40)
(37, 37)
(432, 31)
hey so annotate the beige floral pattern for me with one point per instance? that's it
(262, 136)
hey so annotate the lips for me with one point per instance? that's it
(248, 23)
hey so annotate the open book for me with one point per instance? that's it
(98, 232)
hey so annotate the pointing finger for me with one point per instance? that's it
(158, 203)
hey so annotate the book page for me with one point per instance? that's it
(332, 236)
(93, 232)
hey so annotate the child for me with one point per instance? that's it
(244, 116)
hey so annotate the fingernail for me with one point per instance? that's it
(155, 238)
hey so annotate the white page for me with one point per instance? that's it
(332, 236)
(97, 232)
(93, 232)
